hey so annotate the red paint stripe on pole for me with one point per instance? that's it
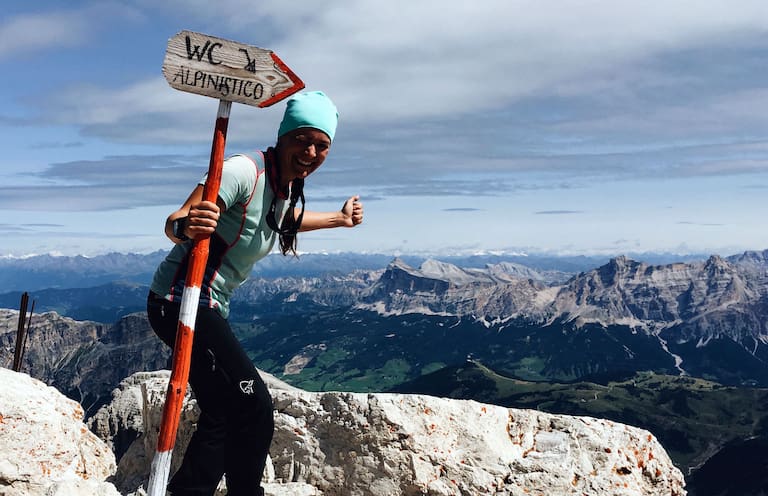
(177, 386)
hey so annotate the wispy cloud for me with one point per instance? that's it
(59, 29)
(120, 182)
(558, 212)
(50, 145)
(414, 62)
(706, 224)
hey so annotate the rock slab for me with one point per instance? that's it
(358, 444)
(46, 448)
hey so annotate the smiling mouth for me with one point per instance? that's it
(303, 163)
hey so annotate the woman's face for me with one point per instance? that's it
(300, 152)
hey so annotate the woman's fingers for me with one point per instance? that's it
(203, 217)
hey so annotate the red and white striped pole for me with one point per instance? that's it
(182, 350)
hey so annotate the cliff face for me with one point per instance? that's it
(52, 341)
(356, 444)
(703, 300)
(84, 360)
(442, 289)
(700, 300)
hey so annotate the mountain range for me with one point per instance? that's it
(36, 272)
(385, 326)
(703, 318)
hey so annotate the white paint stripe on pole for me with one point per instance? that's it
(188, 310)
(161, 467)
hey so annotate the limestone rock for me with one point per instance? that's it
(356, 444)
(46, 449)
(137, 403)
(443, 289)
(705, 299)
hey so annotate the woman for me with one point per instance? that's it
(257, 205)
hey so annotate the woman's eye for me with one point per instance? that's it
(304, 141)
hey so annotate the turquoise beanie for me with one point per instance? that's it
(312, 109)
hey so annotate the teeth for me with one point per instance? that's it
(305, 164)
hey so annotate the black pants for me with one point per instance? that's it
(236, 423)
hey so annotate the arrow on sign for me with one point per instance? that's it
(227, 70)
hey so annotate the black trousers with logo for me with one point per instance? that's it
(236, 423)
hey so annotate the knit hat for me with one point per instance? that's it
(311, 109)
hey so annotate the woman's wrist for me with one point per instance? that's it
(179, 228)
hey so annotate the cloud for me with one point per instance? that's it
(558, 212)
(467, 99)
(29, 228)
(89, 198)
(13, 229)
(396, 63)
(412, 61)
(50, 145)
(113, 183)
(706, 224)
(55, 30)
(137, 170)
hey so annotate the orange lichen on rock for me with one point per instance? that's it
(575, 479)
(525, 453)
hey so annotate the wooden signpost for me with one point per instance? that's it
(232, 72)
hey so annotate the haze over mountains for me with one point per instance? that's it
(698, 317)
(36, 272)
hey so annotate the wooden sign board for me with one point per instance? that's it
(227, 70)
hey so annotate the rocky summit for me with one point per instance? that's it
(46, 449)
(356, 444)
(332, 444)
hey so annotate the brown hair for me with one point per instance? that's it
(290, 224)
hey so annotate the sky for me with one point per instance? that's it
(518, 126)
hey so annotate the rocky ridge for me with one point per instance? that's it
(332, 444)
(442, 289)
(707, 299)
(703, 300)
(85, 360)
(356, 444)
